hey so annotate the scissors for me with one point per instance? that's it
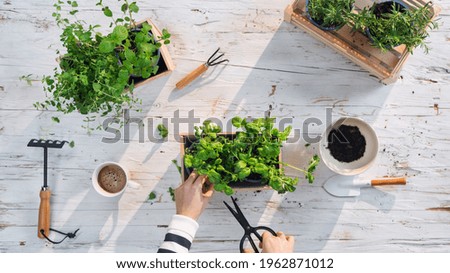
(248, 230)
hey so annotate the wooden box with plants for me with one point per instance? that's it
(250, 158)
(97, 73)
(378, 36)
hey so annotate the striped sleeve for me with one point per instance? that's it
(180, 235)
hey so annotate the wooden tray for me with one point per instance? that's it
(355, 45)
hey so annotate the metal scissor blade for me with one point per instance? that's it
(231, 210)
(238, 215)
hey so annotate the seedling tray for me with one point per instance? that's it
(386, 66)
(187, 140)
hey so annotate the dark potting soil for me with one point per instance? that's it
(346, 143)
(386, 8)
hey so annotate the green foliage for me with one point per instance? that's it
(253, 152)
(151, 195)
(29, 79)
(330, 13)
(163, 131)
(94, 72)
(408, 27)
(172, 193)
(72, 144)
(175, 162)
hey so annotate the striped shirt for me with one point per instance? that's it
(180, 235)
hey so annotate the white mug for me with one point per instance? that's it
(96, 184)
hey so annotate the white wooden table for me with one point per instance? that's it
(273, 65)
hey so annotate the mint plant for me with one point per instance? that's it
(252, 153)
(94, 70)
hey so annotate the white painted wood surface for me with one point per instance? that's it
(411, 118)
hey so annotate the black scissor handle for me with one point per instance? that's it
(266, 229)
(252, 243)
(250, 239)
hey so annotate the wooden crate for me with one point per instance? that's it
(166, 65)
(355, 45)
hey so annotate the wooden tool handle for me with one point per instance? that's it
(191, 76)
(44, 213)
(389, 181)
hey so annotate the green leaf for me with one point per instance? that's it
(152, 195)
(96, 86)
(244, 173)
(55, 119)
(120, 32)
(72, 144)
(214, 176)
(172, 193)
(220, 187)
(106, 46)
(236, 121)
(165, 34)
(123, 74)
(241, 165)
(188, 161)
(130, 55)
(174, 161)
(163, 131)
(252, 161)
(107, 12)
(124, 7)
(133, 7)
(310, 177)
(228, 190)
(145, 28)
(261, 168)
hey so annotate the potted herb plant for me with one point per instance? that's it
(328, 14)
(391, 23)
(97, 73)
(251, 155)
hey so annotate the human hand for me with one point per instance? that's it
(192, 196)
(275, 244)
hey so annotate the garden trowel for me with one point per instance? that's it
(347, 186)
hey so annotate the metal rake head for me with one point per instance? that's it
(47, 143)
(213, 59)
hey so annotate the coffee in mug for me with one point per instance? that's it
(110, 179)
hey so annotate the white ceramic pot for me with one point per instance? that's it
(360, 165)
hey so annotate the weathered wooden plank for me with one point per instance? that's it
(273, 66)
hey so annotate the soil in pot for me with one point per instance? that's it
(112, 178)
(346, 143)
(386, 7)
